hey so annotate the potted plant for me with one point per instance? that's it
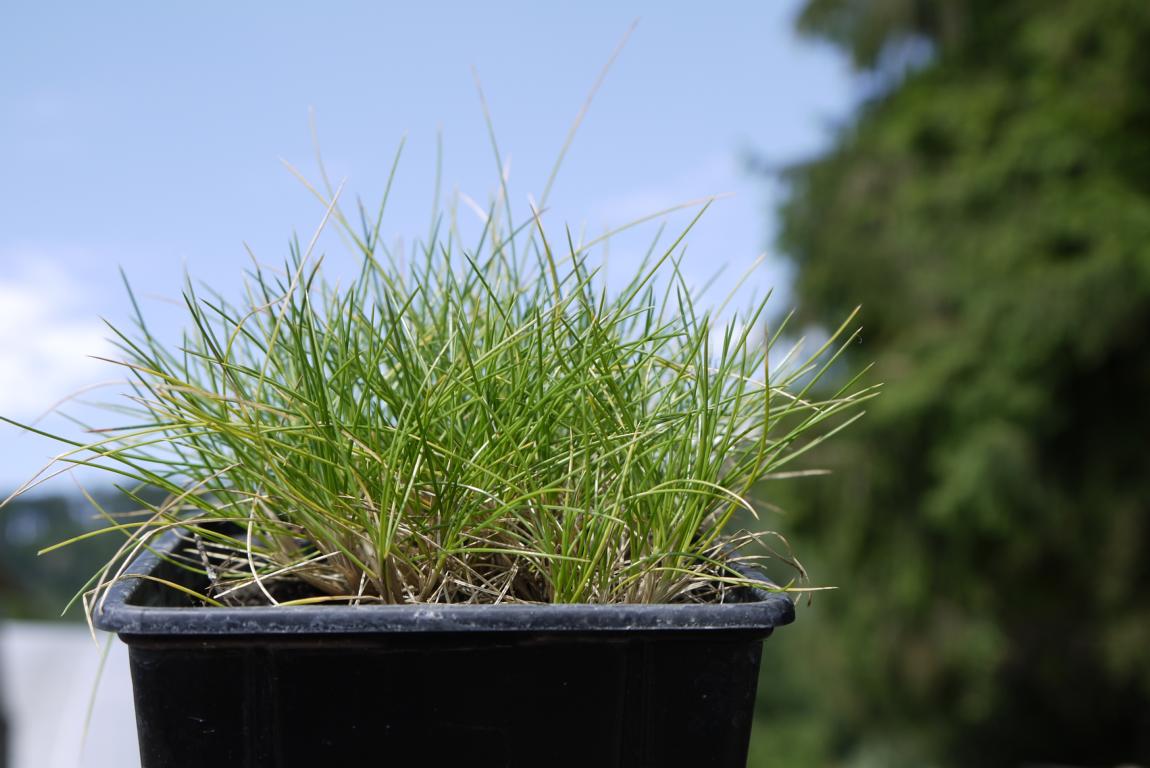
(473, 507)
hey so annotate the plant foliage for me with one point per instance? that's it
(458, 425)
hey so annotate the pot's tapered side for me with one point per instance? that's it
(5, 738)
(465, 700)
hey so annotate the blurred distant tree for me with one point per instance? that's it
(36, 586)
(989, 519)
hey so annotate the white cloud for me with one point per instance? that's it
(48, 332)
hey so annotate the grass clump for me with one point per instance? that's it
(458, 425)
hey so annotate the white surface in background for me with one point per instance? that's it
(48, 673)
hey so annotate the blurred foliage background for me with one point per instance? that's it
(34, 587)
(986, 522)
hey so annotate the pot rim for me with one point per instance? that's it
(125, 611)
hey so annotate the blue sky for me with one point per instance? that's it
(149, 136)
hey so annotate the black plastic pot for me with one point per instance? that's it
(515, 685)
(4, 739)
